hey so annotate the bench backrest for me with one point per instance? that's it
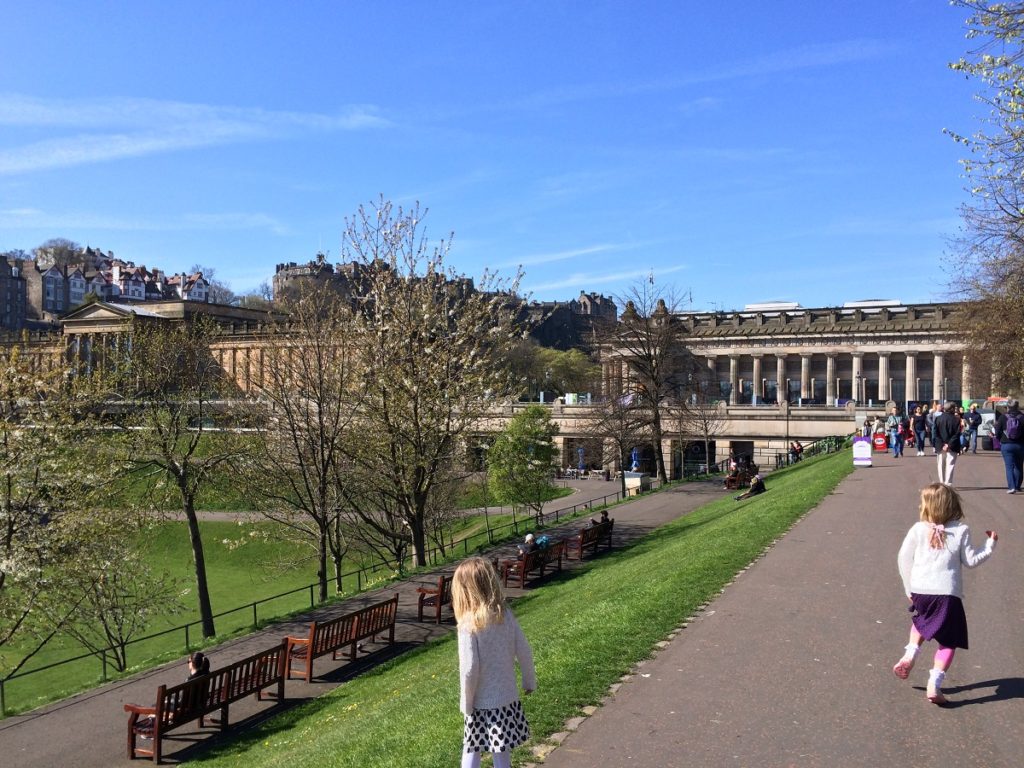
(375, 618)
(543, 555)
(596, 532)
(325, 636)
(255, 673)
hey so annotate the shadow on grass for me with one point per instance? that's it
(264, 725)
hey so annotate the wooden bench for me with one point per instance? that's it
(194, 699)
(589, 538)
(537, 560)
(435, 597)
(741, 479)
(331, 636)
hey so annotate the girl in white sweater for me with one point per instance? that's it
(931, 564)
(490, 642)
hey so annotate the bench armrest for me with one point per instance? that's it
(293, 641)
(428, 590)
(139, 710)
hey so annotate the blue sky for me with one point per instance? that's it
(740, 152)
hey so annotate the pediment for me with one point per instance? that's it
(99, 314)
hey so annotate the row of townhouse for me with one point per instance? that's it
(40, 292)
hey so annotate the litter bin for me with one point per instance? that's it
(881, 443)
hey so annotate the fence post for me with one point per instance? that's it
(188, 645)
(255, 621)
(311, 598)
(3, 701)
(359, 580)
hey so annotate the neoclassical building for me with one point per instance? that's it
(868, 352)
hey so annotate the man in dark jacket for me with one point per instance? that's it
(973, 419)
(946, 436)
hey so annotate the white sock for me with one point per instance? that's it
(911, 651)
(935, 678)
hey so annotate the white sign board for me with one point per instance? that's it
(862, 451)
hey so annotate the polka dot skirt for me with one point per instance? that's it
(496, 730)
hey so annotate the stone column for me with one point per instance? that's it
(883, 377)
(757, 388)
(858, 376)
(966, 391)
(734, 374)
(805, 376)
(911, 375)
(781, 393)
(830, 380)
(938, 376)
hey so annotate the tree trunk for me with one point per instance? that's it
(659, 457)
(419, 546)
(202, 589)
(321, 564)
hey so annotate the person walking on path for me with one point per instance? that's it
(930, 417)
(490, 642)
(973, 419)
(894, 426)
(1009, 430)
(931, 562)
(946, 436)
(919, 425)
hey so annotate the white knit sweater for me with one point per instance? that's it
(487, 665)
(927, 571)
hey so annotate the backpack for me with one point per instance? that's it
(1012, 431)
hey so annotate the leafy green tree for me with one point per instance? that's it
(47, 474)
(991, 273)
(521, 461)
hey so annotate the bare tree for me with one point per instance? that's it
(219, 291)
(698, 414)
(649, 340)
(309, 400)
(619, 424)
(108, 585)
(57, 251)
(167, 384)
(432, 349)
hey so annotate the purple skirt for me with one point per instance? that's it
(940, 618)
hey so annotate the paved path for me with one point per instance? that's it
(791, 665)
(88, 730)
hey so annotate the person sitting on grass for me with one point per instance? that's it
(756, 487)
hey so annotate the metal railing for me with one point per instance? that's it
(364, 577)
(820, 446)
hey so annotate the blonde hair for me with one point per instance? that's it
(477, 598)
(940, 504)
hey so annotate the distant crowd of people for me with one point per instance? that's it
(951, 430)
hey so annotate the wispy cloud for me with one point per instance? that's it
(115, 129)
(34, 218)
(547, 258)
(584, 279)
(787, 60)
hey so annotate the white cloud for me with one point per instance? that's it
(584, 279)
(34, 218)
(140, 127)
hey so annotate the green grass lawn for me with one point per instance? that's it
(587, 629)
(236, 575)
